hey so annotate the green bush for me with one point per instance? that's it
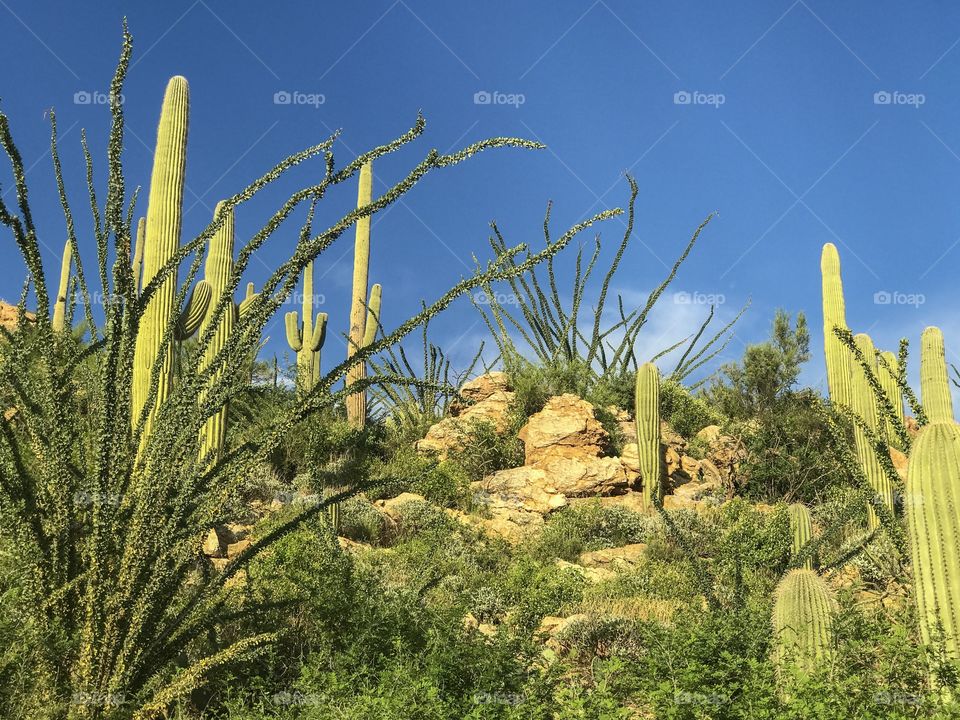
(484, 450)
(591, 526)
(686, 413)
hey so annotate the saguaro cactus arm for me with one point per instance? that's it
(839, 365)
(137, 265)
(194, 310)
(373, 315)
(801, 528)
(247, 301)
(60, 306)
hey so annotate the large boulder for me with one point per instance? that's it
(8, 316)
(565, 428)
(490, 399)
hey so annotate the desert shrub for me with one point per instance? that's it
(361, 521)
(535, 589)
(487, 604)
(406, 470)
(687, 413)
(484, 450)
(591, 526)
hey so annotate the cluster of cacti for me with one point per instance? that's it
(802, 624)
(306, 338)
(933, 504)
(801, 531)
(359, 307)
(647, 418)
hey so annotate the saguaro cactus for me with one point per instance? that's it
(933, 504)
(801, 529)
(934, 381)
(357, 402)
(373, 315)
(137, 263)
(839, 363)
(647, 412)
(864, 403)
(306, 338)
(60, 306)
(164, 210)
(217, 272)
(802, 623)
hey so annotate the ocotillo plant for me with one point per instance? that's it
(357, 401)
(934, 381)
(134, 617)
(802, 624)
(864, 405)
(306, 338)
(801, 529)
(647, 416)
(151, 384)
(60, 306)
(839, 366)
(888, 368)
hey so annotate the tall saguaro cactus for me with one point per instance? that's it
(934, 381)
(164, 213)
(217, 272)
(306, 338)
(933, 515)
(137, 263)
(647, 412)
(357, 402)
(801, 530)
(865, 405)
(839, 363)
(60, 306)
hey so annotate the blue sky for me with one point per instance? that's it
(767, 112)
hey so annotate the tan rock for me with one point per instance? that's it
(523, 488)
(710, 434)
(449, 434)
(8, 316)
(482, 387)
(632, 500)
(234, 549)
(565, 428)
(626, 555)
(899, 462)
(585, 477)
(217, 541)
(592, 575)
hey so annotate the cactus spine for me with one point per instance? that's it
(865, 405)
(357, 402)
(802, 623)
(306, 338)
(60, 307)
(647, 413)
(839, 362)
(887, 372)
(934, 382)
(933, 515)
(801, 529)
